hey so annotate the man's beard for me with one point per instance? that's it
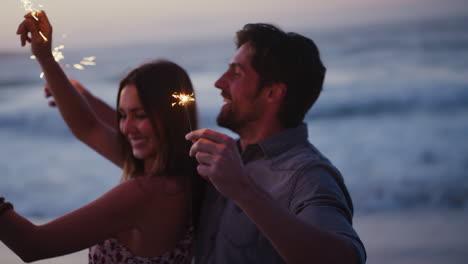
(226, 118)
(235, 120)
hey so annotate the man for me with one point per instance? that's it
(273, 197)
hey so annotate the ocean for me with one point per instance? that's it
(393, 116)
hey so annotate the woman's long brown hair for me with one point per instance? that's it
(156, 82)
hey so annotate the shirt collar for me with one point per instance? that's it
(280, 142)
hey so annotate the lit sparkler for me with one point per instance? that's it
(29, 7)
(183, 100)
(57, 53)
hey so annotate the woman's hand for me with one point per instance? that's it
(38, 32)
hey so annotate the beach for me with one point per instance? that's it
(391, 117)
(415, 236)
(404, 237)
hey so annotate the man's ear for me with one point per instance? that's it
(276, 92)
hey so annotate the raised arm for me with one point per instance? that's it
(75, 110)
(116, 211)
(102, 110)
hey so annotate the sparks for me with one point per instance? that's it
(91, 58)
(28, 6)
(78, 66)
(183, 98)
(58, 56)
(88, 61)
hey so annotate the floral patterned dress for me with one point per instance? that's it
(112, 251)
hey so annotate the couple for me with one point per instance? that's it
(200, 196)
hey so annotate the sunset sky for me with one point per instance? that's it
(105, 22)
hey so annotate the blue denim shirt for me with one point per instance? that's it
(299, 178)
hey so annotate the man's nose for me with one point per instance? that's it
(221, 82)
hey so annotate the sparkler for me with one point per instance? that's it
(183, 100)
(29, 7)
(57, 53)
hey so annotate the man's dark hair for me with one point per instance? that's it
(289, 58)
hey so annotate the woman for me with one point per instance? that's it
(147, 217)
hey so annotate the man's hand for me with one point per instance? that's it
(48, 94)
(219, 161)
(301, 242)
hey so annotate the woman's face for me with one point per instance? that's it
(135, 124)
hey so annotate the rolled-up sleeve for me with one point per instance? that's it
(318, 199)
